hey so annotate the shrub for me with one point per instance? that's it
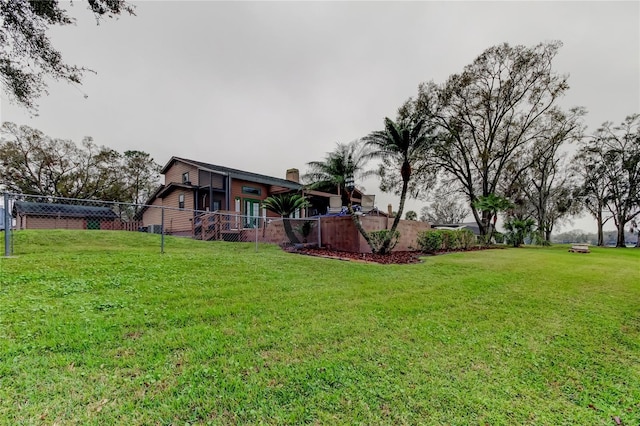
(449, 240)
(377, 238)
(430, 240)
(466, 239)
(434, 240)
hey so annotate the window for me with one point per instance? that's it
(185, 177)
(251, 190)
(181, 201)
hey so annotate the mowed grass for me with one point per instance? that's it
(98, 327)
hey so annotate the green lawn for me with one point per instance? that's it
(98, 327)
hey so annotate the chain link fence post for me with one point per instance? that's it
(162, 230)
(7, 226)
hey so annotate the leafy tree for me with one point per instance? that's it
(545, 188)
(403, 149)
(34, 163)
(490, 206)
(285, 205)
(445, 208)
(411, 215)
(142, 174)
(490, 114)
(28, 57)
(330, 174)
(618, 151)
(591, 191)
(138, 175)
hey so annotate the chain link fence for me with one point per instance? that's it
(23, 212)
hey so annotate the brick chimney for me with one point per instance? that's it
(293, 175)
(390, 210)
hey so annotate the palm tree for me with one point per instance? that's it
(490, 206)
(285, 205)
(330, 174)
(518, 230)
(400, 146)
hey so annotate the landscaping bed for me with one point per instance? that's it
(396, 257)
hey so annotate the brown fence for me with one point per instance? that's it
(340, 233)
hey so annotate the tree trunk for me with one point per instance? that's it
(547, 235)
(600, 231)
(478, 219)
(620, 226)
(356, 221)
(403, 196)
(289, 231)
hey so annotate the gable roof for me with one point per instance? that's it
(235, 173)
(65, 210)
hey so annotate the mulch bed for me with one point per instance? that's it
(396, 257)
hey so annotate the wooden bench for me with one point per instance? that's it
(580, 248)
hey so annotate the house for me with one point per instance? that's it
(192, 185)
(31, 215)
(192, 188)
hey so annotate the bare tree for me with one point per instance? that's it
(446, 207)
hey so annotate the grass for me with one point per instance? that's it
(100, 328)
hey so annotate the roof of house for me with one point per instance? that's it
(66, 210)
(472, 226)
(235, 173)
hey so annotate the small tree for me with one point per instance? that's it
(330, 174)
(403, 148)
(490, 206)
(285, 205)
(518, 230)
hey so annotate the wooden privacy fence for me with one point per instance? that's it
(340, 233)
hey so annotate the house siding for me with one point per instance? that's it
(153, 215)
(236, 192)
(205, 178)
(174, 174)
(176, 221)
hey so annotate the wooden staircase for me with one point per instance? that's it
(217, 226)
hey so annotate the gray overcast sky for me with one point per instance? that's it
(265, 86)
